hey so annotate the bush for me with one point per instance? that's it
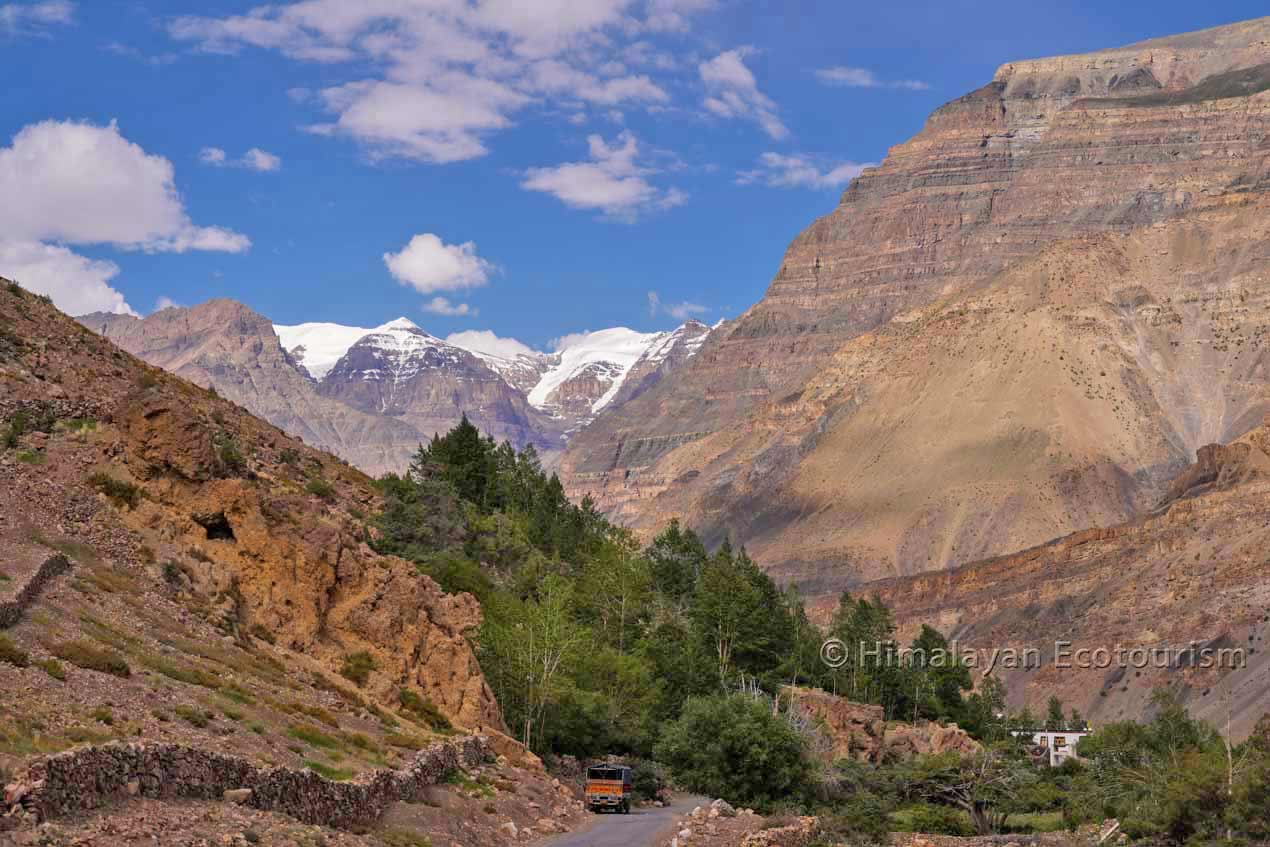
(648, 780)
(424, 710)
(938, 820)
(357, 667)
(194, 715)
(734, 747)
(12, 653)
(54, 668)
(860, 820)
(90, 658)
(103, 714)
(116, 490)
(319, 487)
(229, 456)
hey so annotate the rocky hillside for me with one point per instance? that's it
(1023, 323)
(372, 395)
(1194, 570)
(174, 570)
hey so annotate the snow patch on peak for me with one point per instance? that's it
(399, 323)
(318, 346)
(618, 348)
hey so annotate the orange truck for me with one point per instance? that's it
(609, 787)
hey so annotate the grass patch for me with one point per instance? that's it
(357, 667)
(194, 715)
(87, 735)
(103, 714)
(405, 742)
(32, 457)
(259, 729)
(313, 736)
(12, 653)
(4, 577)
(403, 838)
(117, 491)
(331, 773)
(237, 694)
(190, 676)
(53, 668)
(423, 709)
(90, 658)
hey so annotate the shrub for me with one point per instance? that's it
(119, 492)
(648, 780)
(734, 747)
(103, 714)
(289, 456)
(173, 575)
(357, 667)
(938, 820)
(12, 653)
(54, 668)
(423, 709)
(229, 455)
(194, 715)
(261, 634)
(319, 487)
(90, 658)
(32, 457)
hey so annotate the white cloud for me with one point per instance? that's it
(484, 341)
(612, 182)
(848, 77)
(78, 285)
(31, 18)
(428, 264)
(569, 339)
(446, 74)
(165, 302)
(86, 184)
(732, 92)
(442, 306)
(798, 171)
(254, 159)
(678, 311)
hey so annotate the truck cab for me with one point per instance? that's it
(609, 787)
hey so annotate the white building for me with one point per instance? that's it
(1058, 745)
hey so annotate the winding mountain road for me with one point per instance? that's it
(643, 827)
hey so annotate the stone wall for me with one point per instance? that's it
(92, 777)
(11, 611)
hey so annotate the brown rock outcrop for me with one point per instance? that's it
(860, 732)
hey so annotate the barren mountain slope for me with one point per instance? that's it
(1196, 570)
(224, 344)
(1017, 326)
(176, 571)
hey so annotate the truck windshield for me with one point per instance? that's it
(604, 773)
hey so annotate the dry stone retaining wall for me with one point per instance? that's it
(11, 611)
(91, 777)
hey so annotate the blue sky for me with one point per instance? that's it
(531, 168)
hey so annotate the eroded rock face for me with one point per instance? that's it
(860, 732)
(259, 552)
(1023, 323)
(1196, 572)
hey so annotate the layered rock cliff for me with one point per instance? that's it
(1023, 323)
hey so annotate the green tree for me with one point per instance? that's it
(735, 747)
(1054, 718)
(677, 557)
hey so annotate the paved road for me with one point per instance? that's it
(643, 827)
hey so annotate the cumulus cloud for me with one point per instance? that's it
(87, 184)
(613, 181)
(83, 184)
(679, 311)
(165, 302)
(484, 341)
(799, 171)
(849, 77)
(732, 92)
(442, 306)
(448, 75)
(569, 339)
(428, 265)
(254, 159)
(33, 18)
(78, 285)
